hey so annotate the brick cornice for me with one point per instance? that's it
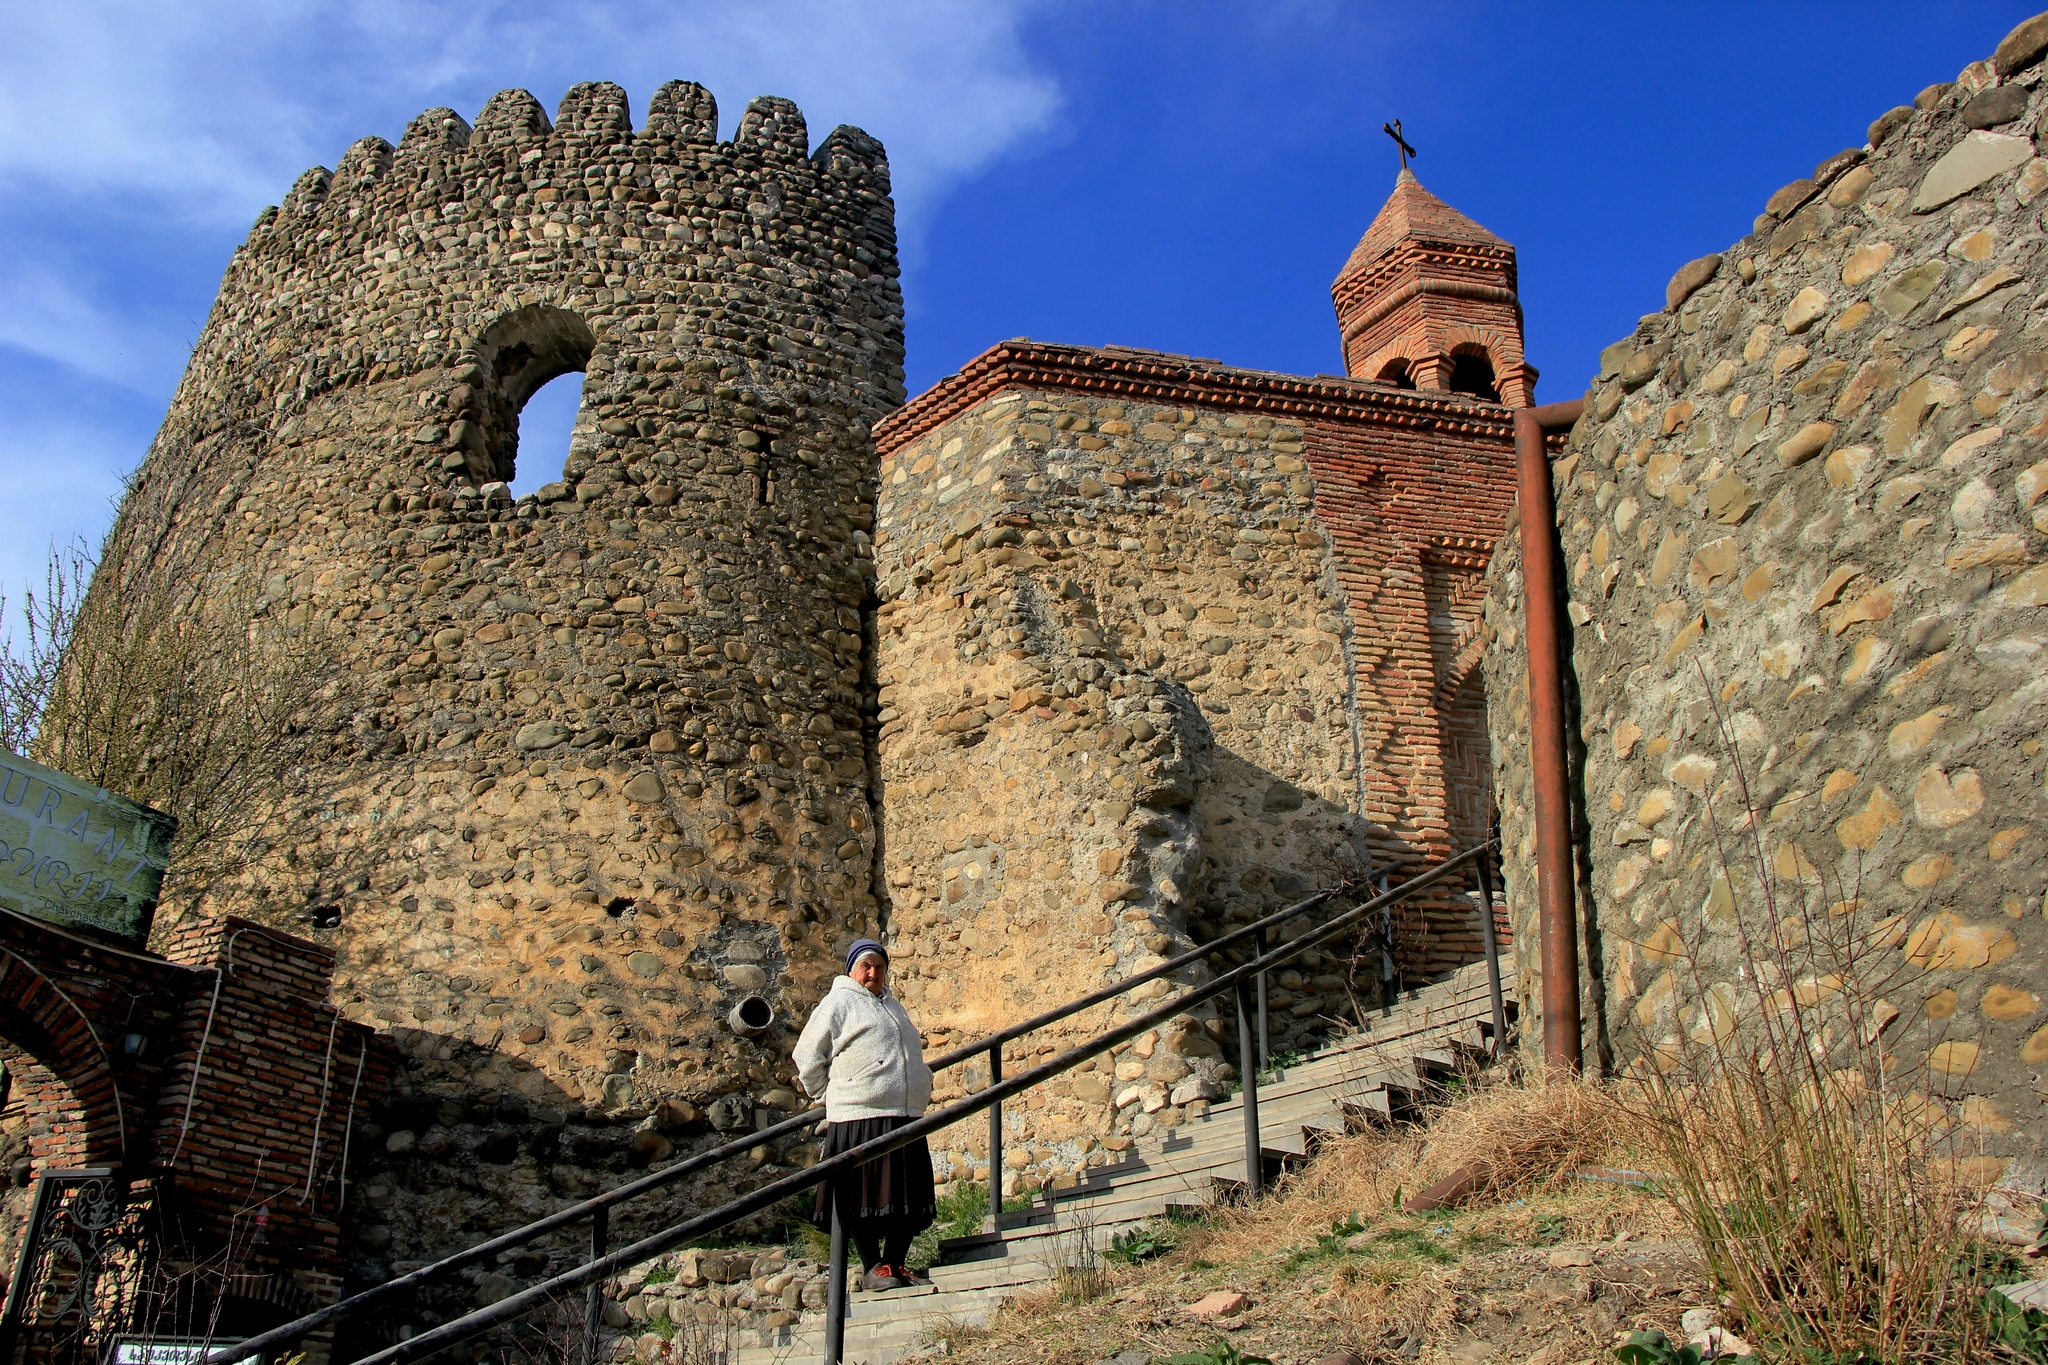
(1156, 377)
(1480, 263)
(1417, 288)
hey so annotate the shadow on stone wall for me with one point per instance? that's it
(473, 1141)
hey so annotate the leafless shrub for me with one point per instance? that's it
(29, 662)
(1078, 1274)
(1830, 1188)
(157, 679)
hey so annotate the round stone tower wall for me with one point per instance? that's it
(592, 764)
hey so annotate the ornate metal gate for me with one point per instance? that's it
(81, 1269)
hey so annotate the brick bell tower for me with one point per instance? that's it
(1427, 301)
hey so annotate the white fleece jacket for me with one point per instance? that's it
(860, 1053)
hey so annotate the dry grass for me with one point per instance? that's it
(1530, 1136)
(1331, 1257)
(1829, 1213)
(949, 1332)
(1818, 1158)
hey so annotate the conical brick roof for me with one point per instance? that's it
(1412, 211)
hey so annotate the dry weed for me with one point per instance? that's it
(1530, 1136)
(948, 1333)
(1815, 1153)
(1079, 1273)
(1387, 1300)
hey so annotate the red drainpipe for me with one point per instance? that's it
(1541, 576)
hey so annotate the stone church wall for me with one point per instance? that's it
(1120, 662)
(1803, 542)
(597, 765)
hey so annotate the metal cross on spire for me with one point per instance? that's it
(1393, 130)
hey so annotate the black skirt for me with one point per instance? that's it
(895, 1189)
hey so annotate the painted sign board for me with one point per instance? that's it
(77, 856)
(166, 1351)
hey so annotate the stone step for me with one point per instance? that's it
(880, 1339)
(1029, 1266)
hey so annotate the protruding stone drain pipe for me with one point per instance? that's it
(1541, 575)
(751, 1017)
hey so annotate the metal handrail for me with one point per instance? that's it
(598, 1205)
(601, 1267)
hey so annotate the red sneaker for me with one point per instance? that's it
(882, 1277)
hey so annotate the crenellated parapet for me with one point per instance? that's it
(520, 193)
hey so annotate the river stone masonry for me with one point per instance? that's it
(1164, 646)
(1803, 535)
(1128, 647)
(598, 766)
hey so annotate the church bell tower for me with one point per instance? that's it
(1427, 301)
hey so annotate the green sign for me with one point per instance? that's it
(77, 856)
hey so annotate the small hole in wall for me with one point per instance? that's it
(544, 426)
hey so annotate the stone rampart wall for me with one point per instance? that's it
(1804, 547)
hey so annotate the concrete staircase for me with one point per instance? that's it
(1377, 1076)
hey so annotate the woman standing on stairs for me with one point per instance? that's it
(860, 1053)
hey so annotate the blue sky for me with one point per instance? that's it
(1186, 176)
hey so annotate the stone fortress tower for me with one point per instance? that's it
(597, 767)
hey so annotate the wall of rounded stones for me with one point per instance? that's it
(1803, 538)
(595, 763)
(1115, 722)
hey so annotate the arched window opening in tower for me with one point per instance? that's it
(544, 426)
(1397, 373)
(1473, 374)
(536, 355)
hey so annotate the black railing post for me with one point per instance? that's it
(593, 1297)
(1500, 1009)
(1388, 989)
(1265, 1039)
(1247, 1065)
(835, 1293)
(995, 1143)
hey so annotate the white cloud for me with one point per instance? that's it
(211, 109)
(138, 140)
(116, 114)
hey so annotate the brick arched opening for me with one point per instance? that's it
(1467, 755)
(59, 1073)
(1473, 372)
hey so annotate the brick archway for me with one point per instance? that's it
(68, 1087)
(1466, 751)
(126, 1059)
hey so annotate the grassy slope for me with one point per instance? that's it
(1471, 1284)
